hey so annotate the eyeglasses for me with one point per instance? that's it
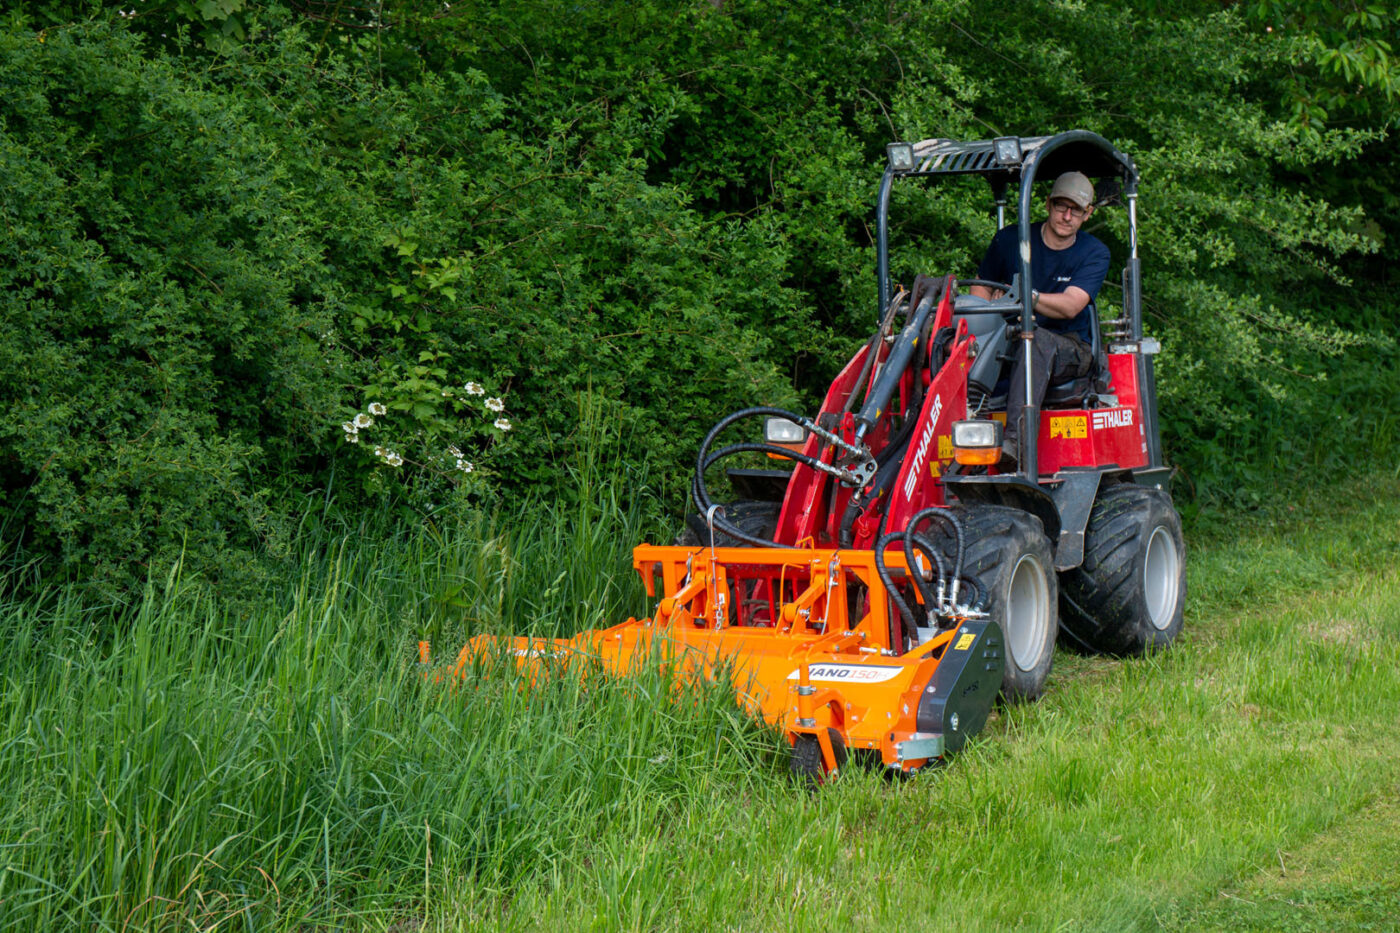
(1067, 207)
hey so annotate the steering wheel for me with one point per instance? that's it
(985, 283)
(1008, 306)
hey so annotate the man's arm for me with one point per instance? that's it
(1062, 305)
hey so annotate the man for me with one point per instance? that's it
(1067, 268)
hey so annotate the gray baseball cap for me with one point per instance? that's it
(1074, 186)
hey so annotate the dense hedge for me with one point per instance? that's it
(231, 231)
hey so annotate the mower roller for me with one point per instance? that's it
(878, 595)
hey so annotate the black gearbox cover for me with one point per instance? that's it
(957, 699)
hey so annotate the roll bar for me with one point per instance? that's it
(1020, 160)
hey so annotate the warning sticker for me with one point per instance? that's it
(965, 641)
(945, 447)
(1070, 426)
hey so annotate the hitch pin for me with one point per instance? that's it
(714, 577)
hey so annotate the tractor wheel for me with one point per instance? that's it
(759, 519)
(1008, 553)
(1127, 596)
(806, 764)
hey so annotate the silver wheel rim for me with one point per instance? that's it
(1027, 612)
(1161, 578)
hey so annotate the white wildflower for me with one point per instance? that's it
(380, 452)
(394, 460)
(495, 404)
(349, 427)
(377, 408)
(465, 465)
(363, 420)
(455, 452)
(474, 388)
(502, 424)
(353, 438)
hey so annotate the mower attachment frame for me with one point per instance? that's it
(807, 646)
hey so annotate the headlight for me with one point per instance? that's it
(976, 443)
(976, 434)
(783, 431)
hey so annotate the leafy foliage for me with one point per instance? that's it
(232, 227)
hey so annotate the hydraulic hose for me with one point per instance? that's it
(704, 460)
(946, 516)
(898, 600)
(932, 598)
(980, 595)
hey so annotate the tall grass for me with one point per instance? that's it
(172, 766)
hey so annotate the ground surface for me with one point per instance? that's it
(294, 770)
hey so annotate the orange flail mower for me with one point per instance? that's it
(878, 595)
(802, 659)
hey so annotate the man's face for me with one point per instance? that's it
(1066, 217)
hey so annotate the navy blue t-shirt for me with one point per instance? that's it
(1083, 263)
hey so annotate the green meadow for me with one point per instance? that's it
(179, 765)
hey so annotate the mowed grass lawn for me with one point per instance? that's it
(291, 770)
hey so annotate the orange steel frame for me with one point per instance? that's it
(863, 690)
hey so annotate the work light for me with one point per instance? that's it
(1007, 149)
(901, 156)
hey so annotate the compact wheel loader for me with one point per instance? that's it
(875, 597)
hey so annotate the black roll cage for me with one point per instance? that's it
(1021, 160)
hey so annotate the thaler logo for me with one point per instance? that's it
(918, 466)
(1113, 418)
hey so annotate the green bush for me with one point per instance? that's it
(205, 285)
(162, 310)
(232, 229)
